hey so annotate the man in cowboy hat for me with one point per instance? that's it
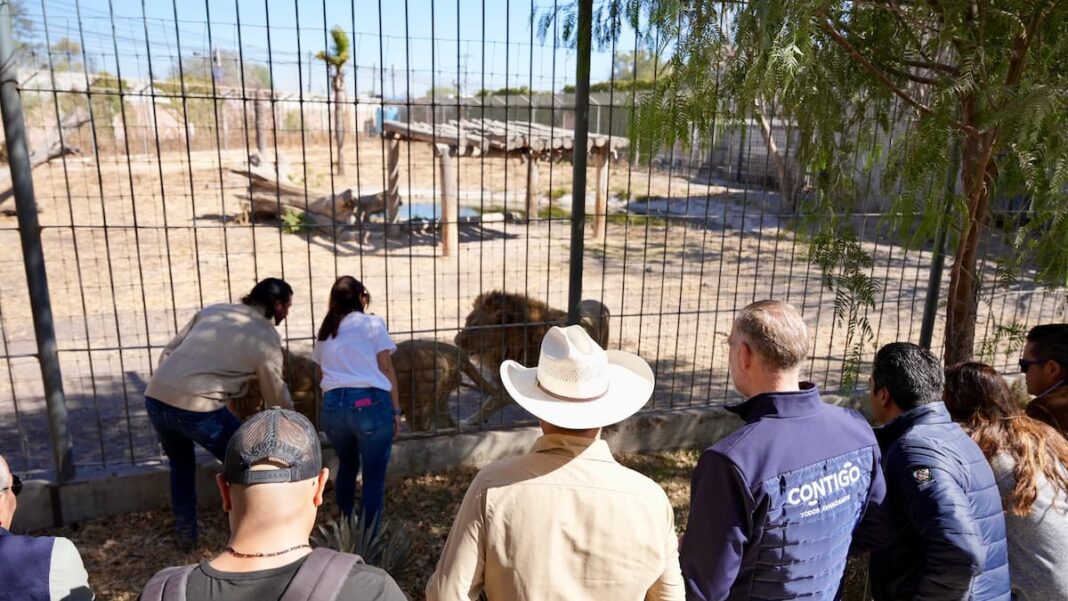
(776, 506)
(565, 521)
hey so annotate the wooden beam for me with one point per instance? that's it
(532, 186)
(600, 213)
(450, 243)
(392, 181)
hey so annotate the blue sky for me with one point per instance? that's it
(475, 43)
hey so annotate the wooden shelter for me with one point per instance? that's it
(534, 142)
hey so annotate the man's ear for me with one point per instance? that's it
(320, 485)
(224, 492)
(882, 397)
(1055, 370)
(745, 353)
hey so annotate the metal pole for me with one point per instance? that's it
(934, 281)
(33, 256)
(578, 162)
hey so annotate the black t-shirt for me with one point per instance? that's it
(365, 583)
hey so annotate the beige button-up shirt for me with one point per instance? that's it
(211, 360)
(564, 521)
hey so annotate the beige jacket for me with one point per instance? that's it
(564, 521)
(212, 358)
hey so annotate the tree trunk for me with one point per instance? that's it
(259, 109)
(785, 166)
(339, 119)
(977, 170)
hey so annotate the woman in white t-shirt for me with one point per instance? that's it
(361, 412)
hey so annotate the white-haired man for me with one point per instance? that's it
(776, 505)
(35, 568)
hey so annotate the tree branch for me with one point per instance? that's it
(910, 76)
(1019, 48)
(932, 66)
(895, 8)
(867, 64)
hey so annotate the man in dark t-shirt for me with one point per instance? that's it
(272, 485)
(364, 583)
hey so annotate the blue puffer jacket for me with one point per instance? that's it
(945, 508)
(776, 506)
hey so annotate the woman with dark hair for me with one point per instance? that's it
(1030, 461)
(361, 412)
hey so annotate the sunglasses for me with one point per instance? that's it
(16, 485)
(1026, 364)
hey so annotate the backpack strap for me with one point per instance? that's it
(321, 576)
(168, 584)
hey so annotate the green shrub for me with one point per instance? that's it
(388, 549)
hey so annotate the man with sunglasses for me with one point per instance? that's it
(35, 568)
(1045, 367)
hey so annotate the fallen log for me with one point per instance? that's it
(49, 148)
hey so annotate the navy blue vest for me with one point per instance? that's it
(25, 563)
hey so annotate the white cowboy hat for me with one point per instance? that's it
(577, 384)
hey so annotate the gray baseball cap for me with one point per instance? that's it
(277, 435)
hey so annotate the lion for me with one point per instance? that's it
(505, 326)
(428, 371)
(301, 379)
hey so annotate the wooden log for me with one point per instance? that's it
(600, 160)
(532, 186)
(450, 243)
(393, 180)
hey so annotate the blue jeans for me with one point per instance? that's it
(359, 424)
(178, 429)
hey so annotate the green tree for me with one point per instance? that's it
(638, 65)
(66, 55)
(982, 80)
(200, 68)
(441, 92)
(335, 60)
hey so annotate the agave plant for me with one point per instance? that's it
(381, 545)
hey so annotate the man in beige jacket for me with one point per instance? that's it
(208, 363)
(565, 521)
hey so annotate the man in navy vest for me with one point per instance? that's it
(944, 505)
(35, 568)
(776, 507)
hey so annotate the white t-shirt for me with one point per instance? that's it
(348, 360)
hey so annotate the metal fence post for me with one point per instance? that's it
(578, 179)
(938, 257)
(18, 159)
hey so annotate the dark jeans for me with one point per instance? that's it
(359, 423)
(178, 429)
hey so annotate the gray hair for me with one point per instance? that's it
(776, 331)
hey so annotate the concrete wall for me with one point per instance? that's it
(44, 504)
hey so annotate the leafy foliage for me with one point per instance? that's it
(988, 78)
(387, 547)
(296, 222)
(845, 267)
(339, 53)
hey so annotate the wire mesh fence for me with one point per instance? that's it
(185, 151)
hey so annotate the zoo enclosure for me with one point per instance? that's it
(151, 111)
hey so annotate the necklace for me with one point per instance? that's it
(235, 553)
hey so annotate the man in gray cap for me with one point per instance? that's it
(272, 485)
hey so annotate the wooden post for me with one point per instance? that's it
(450, 243)
(600, 213)
(259, 109)
(532, 186)
(392, 181)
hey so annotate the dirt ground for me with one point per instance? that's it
(172, 244)
(122, 552)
